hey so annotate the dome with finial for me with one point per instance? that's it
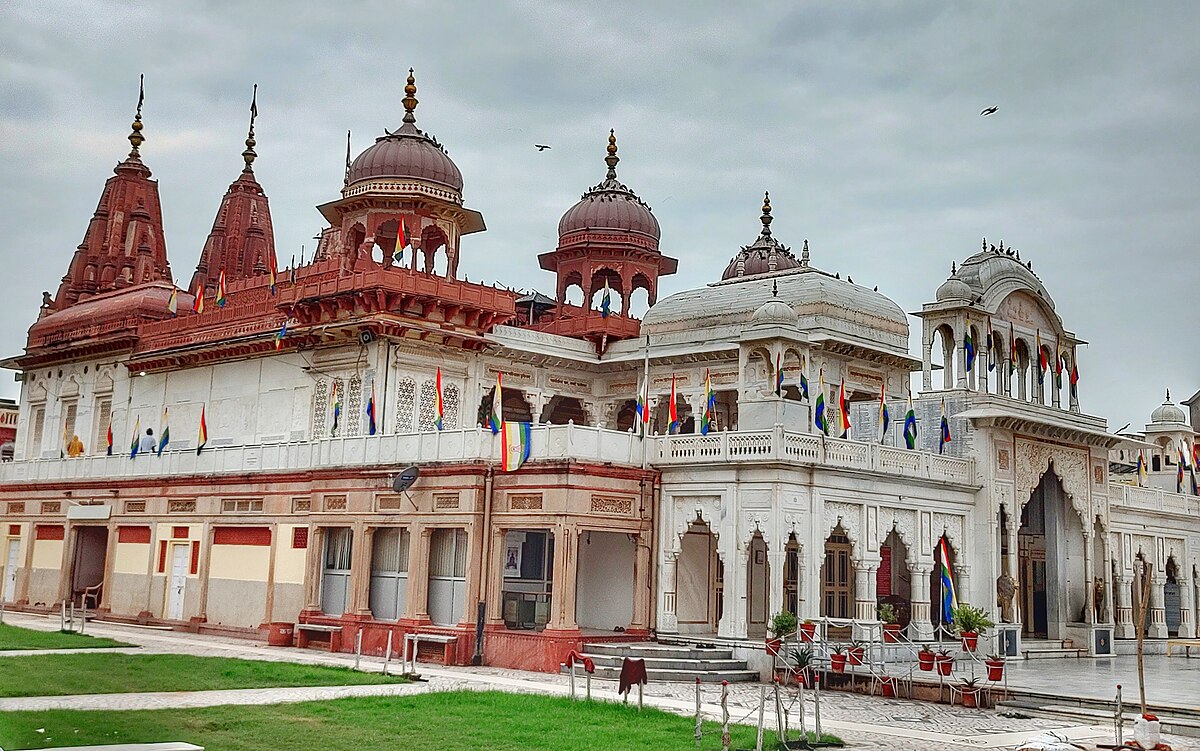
(766, 254)
(1168, 414)
(406, 154)
(610, 205)
(991, 275)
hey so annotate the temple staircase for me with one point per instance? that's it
(1050, 649)
(667, 662)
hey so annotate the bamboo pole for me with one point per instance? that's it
(698, 721)
(725, 739)
(762, 703)
(387, 657)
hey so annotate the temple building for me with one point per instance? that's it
(221, 457)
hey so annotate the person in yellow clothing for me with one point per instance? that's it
(75, 447)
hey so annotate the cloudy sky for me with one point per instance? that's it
(861, 119)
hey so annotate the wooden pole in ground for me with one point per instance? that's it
(571, 669)
(357, 648)
(725, 740)
(587, 682)
(1140, 572)
(780, 721)
(762, 703)
(387, 657)
(698, 733)
(817, 706)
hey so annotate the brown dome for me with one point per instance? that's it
(766, 254)
(610, 205)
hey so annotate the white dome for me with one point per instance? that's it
(953, 289)
(1168, 413)
(775, 312)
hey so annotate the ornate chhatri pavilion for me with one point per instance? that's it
(318, 383)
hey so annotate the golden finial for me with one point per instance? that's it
(135, 136)
(410, 98)
(766, 215)
(249, 154)
(612, 158)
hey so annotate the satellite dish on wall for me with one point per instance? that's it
(405, 479)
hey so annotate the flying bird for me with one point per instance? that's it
(989, 111)
(540, 147)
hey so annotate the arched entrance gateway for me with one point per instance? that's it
(699, 581)
(1052, 581)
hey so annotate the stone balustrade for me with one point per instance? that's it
(1152, 499)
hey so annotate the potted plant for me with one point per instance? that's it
(970, 693)
(970, 622)
(925, 658)
(782, 625)
(888, 684)
(891, 623)
(995, 668)
(945, 661)
(837, 660)
(856, 653)
(803, 661)
(808, 630)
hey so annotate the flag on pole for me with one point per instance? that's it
(804, 378)
(1074, 380)
(1059, 357)
(439, 409)
(969, 347)
(514, 442)
(221, 299)
(710, 405)
(779, 374)
(1043, 365)
(884, 417)
(991, 347)
(949, 593)
(945, 429)
(401, 242)
(820, 419)
(1012, 350)
(173, 302)
(643, 408)
(202, 433)
(910, 425)
(137, 429)
(292, 271)
(335, 401)
(165, 436)
(280, 335)
(110, 441)
(272, 270)
(496, 419)
(605, 301)
(1196, 456)
(198, 301)
(673, 410)
(1141, 470)
(1179, 472)
(371, 411)
(843, 410)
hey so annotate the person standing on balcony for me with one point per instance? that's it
(75, 447)
(148, 444)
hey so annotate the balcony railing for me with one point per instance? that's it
(1153, 499)
(778, 445)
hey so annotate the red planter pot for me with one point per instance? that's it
(889, 686)
(805, 678)
(970, 640)
(970, 699)
(856, 655)
(773, 646)
(808, 632)
(945, 664)
(995, 670)
(838, 663)
(925, 660)
(891, 632)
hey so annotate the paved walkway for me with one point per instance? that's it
(866, 722)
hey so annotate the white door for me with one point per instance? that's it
(179, 571)
(10, 570)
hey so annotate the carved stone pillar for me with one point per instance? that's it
(1186, 627)
(360, 572)
(418, 575)
(864, 589)
(1158, 613)
(1089, 578)
(494, 585)
(963, 584)
(668, 621)
(920, 627)
(775, 560)
(927, 364)
(1108, 608)
(562, 604)
(1123, 604)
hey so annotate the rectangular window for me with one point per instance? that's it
(447, 576)
(389, 573)
(70, 413)
(300, 538)
(102, 414)
(140, 535)
(38, 420)
(49, 532)
(242, 505)
(335, 575)
(260, 536)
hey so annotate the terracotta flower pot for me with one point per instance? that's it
(970, 640)
(808, 632)
(945, 664)
(925, 660)
(889, 686)
(891, 632)
(773, 646)
(838, 663)
(970, 699)
(995, 670)
(856, 655)
(805, 678)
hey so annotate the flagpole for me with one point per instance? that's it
(646, 382)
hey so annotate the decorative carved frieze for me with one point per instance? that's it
(1034, 459)
(609, 505)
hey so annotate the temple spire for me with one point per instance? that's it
(766, 215)
(346, 179)
(136, 139)
(612, 158)
(410, 98)
(249, 154)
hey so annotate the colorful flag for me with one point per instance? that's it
(202, 433)
(173, 302)
(280, 336)
(1012, 350)
(1196, 456)
(991, 347)
(1142, 470)
(137, 429)
(401, 242)
(165, 436)
(1074, 380)
(949, 594)
(1043, 365)
(439, 409)
(198, 300)
(969, 347)
(945, 429)
(1179, 472)
(910, 425)
(335, 401)
(884, 417)
(1058, 364)
(804, 377)
(514, 442)
(292, 270)
(843, 410)
(272, 269)
(371, 411)
(710, 405)
(779, 374)
(643, 408)
(496, 420)
(221, 299)
(820, 419)
(605, 301)
(673, 410)
(110, 441)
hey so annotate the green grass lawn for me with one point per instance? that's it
(12, 637)
(452, 721)
(107, 673)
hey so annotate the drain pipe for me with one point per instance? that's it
(484, 565)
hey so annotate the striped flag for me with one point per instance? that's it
(173, 302)
(820, 419)
(1142, 472)
(1059, 357)
(439, 408)
(1179, 472)
(335, 401)
(1074, 380)
(280, 336)
(165, 437)
(272, 270)
(606, 301)
(401, 242)
(1012, 350)
(514, 442)
(137, 429)
(969, 347)
(884, 417)
(110, 441)
(673, 410)
(991, 347)
(949, 593)
(221, 299)
(202, 433)
(945, 438)
(910, 425)
(496, 419)
(804, 378)
(643, 408)
(843, 410)
(198, 300)
(1043, 364)
(371, 411)
(710, 405)
(779, 374)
